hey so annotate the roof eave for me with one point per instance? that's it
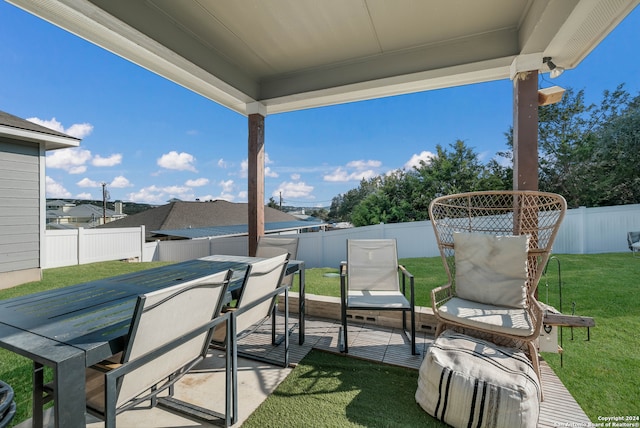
(51, 142)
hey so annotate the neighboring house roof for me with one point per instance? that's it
(199, 219)
(236, 230)
(80, 211)
(20, 129)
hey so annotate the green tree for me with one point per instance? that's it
(272, 203)
(403, 196)
(615, 164)
(343, 204)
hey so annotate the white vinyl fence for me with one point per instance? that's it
(80, 246)
(583, 231)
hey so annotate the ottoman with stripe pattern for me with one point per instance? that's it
(469, 382)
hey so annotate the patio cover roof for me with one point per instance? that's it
(257, 56)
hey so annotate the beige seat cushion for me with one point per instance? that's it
(465, 381)
(491, 269)
(379, 299)
(514, 321)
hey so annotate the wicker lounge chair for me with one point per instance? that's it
(494, 246)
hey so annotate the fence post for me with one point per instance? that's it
(582, 227)
(80, 244)
(143, 236)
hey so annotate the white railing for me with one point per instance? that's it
(583, 231)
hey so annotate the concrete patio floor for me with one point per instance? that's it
(256, 381)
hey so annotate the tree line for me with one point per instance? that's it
(590, 154)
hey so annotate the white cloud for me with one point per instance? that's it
(77, 130)
(55, 189)
(355, 171)
(199, 182)
(424, 155)
(84, 195)
(72, 160)
(340, 175)
(160, 195)
(362, 164)
(110, 161)
(149, 195)
(178, 161)
(86, 182)
(120, 182)
(295, 177)
(222, 163)
(268, 172)
(293, 190)
(51, 124)
(227, 186)
(226, 197)
(244, 168)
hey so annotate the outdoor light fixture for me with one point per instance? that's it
(550, 95)
(555, 71)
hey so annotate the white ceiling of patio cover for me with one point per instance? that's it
(295, 54)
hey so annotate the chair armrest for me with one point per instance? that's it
(406, 274)
(244, 308)
(536, 312)
(404, 271)
(158, 352)
(440, 295)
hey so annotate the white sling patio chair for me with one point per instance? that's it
(255, 305)
(169, 334)
(270, 246)
(369, 280)
(494, 247)
(633, 239)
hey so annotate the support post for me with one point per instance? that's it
(255, 180)
(525, 131)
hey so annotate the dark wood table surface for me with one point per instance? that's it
(73, 327)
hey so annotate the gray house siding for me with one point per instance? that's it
(19, 207)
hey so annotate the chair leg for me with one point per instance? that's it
(533, 353)
(414, 350)
(345, 344)
(439, 328)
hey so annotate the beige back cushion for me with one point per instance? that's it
(491, 269)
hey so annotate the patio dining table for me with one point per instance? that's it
(74, 327)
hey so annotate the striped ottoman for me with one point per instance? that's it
(466, 381)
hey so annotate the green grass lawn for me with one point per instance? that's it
(602, 374)
(327, 390)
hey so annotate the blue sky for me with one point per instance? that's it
(151, 140)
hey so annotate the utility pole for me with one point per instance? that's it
(104, 203)
(280, 201)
